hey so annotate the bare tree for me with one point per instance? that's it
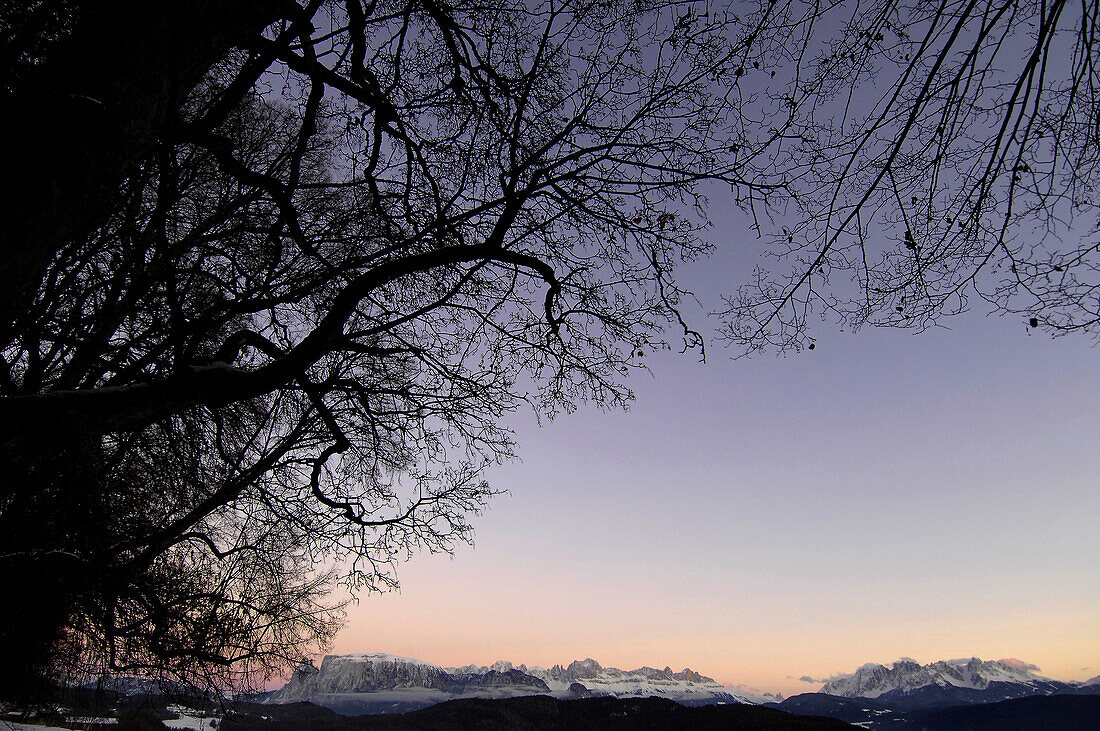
(931, 154)
(280, 332)
(278, 269)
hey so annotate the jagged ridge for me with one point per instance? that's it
(371, 673)
(873, 680)
(371, 683)
(909, 685)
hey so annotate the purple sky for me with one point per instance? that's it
(888, 494)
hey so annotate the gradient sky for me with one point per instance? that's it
(889, 494)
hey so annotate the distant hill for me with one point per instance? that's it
(1037, 713)
(1075, 712)
(851, 710)
(530, 713)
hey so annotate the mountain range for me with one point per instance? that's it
(381, 683)
(908, 685)
(967, 694)
(952, 694)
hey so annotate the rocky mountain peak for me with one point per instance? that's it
(373, 680)
(587, 668)
(906, 675)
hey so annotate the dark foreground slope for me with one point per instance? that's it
(532, 712)
(1038, 713)
(851, 710)
(1051, 712)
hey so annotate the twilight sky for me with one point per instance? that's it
(889, 494)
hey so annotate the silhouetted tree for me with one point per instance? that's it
(274, 270)
(279, 271)
(932, 154)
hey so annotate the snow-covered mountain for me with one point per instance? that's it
(872, 680)
(909, 684)
(588, 677)
(136, 685)
(380, 683)
(362, 674)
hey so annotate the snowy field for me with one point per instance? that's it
(188, 720)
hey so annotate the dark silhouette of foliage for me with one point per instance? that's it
(281, 269)
(273, 271)
(931, 154)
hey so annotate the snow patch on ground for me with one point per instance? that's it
(191, 719)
